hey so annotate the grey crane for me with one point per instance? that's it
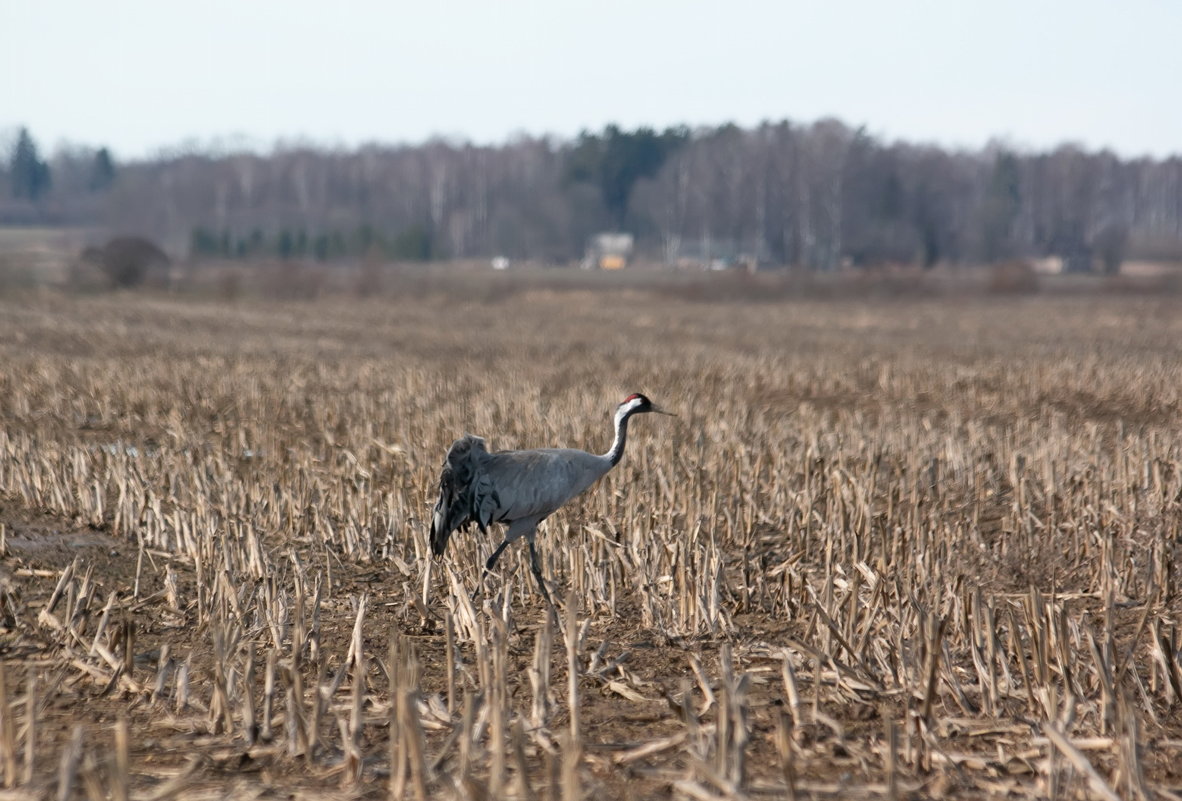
(520, 488)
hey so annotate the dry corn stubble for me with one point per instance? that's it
(886, 549)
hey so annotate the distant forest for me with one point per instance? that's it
(812, 196)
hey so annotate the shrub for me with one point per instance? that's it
(1012, 278)
(126, 260)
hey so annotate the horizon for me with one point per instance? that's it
(217, 146)
(272, 75)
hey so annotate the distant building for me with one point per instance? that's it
(608, 251)
(1049, 265)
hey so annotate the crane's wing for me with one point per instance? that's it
(534, 484)
(466, 491)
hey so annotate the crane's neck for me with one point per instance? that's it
(617, 450)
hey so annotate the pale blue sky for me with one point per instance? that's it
(139, 75)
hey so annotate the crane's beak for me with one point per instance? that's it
(659, 410)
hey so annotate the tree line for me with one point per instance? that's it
(812, 196)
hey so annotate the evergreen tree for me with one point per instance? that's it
(618, 159)
(364, 236)
(320, 247)
(203, 242)
(413, 244)
(285, 246)
(29, 174)
(1002, 204)
(102, 171)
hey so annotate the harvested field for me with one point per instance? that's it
(889, 549)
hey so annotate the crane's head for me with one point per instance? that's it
(639, 404)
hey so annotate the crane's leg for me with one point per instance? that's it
(492, 560)
(526, 527)
(489, 565)
(537, 569)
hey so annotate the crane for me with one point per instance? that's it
(520, 488)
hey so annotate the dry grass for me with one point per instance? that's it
(890, 549)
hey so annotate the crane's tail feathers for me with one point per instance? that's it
(466, 493)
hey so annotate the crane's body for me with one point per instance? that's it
(519, 488)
